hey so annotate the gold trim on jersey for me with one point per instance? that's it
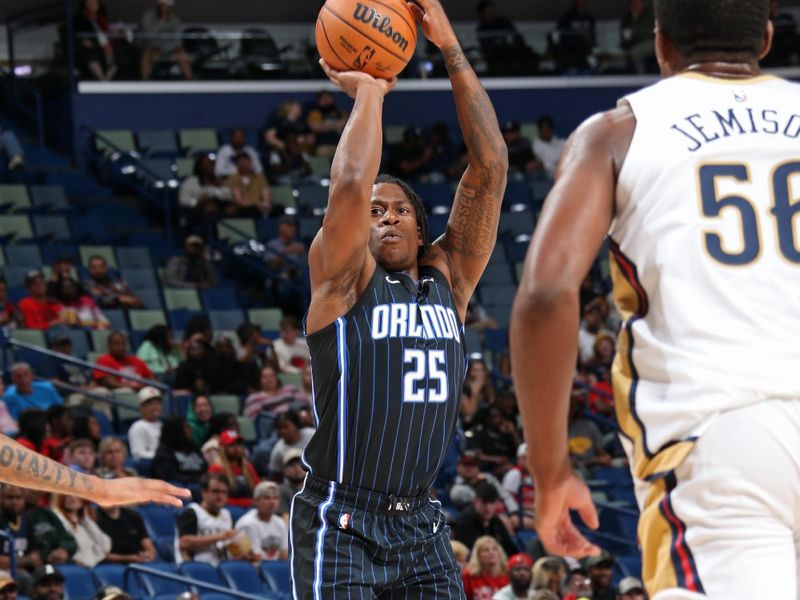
(726, 80)
(622, 377)
(655, 536)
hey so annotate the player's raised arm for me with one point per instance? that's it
(340, 248)
(472, 227)
(23, 467)
(544, 321)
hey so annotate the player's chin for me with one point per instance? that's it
(393, 257)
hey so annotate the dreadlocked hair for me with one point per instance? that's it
(419, 210)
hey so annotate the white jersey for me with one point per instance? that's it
(705, 258)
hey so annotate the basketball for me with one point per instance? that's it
(374, 36)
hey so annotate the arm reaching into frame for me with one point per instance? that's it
(28, 469)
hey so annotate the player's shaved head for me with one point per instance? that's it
(714, 27)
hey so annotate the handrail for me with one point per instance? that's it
(188, 581)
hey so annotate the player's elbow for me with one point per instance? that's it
(535, 300)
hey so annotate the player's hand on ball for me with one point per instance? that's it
(137, 490)
(351, 81)
(553, 522)
(435, 24)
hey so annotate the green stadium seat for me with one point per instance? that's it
(107, 252)
(247, 429)
(393, 134)
(130, 410)
(266, 318)
(182, 298)
(100, 340)
(193, 141)
(16, 228)
(30, 336)
(225, 403)
(236, 230)
(284, 195)
(143, 319)
(320, 165)
(295, 379)
(115, 140)
(528, 130)
(16, 196)
(184, 167)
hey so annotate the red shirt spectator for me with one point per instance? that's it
(38, 311)
(487, 570)
(118, 359)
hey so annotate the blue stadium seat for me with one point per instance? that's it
(498, 295)
(24, 255)
(613, 475)
(15, 276)
(517, 223)
(242, 576)
(151, 298)
(78, 582)
(159, 520)
(116, 317)
(140, 278)
(88, 229)
(309, 226)
(276, 574)
(500, 314)
(434, 193)
(52, 227)
(80, 343)
(517, 192)
(51, 197)
(313, 199)
(495, 340)
(631, 565)
(105, 425)
(160, 169)
(180, 317)
(114, 574)
(237, 512)
(437, 225)
(219, 298)
(156, 586)
(267, 229)
(226, 320)
(202, 572)
(134, 257)
(51, 252)
(158, 142)
(473, 340)
(497, 275)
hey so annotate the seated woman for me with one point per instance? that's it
(160, 352)
(199, 415)
(273, 397)
(232, 462)
(112, 460)
(291, 434)
(219, 422)
(93, 545)
(177, 457)
(79, 309)
(487, 570)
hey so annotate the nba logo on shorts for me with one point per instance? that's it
(344, 521)
(362, 60)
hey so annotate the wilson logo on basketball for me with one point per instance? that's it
(382, 24)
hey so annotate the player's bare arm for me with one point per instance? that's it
(339, 260)
(544, 322)
(466, 247)
(23, 467)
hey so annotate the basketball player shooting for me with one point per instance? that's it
(25, 468)
(388, 352)
(696, 180)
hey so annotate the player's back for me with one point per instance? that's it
(706, 253)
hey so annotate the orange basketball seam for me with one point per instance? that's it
(330, 45)
(412, 28)
(351, 26)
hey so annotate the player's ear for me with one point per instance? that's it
(766, 43)
(666, 54)
(420, 243)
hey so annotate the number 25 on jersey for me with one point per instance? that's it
(784, 210)
(424, 367)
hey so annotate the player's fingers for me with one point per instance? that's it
(587, 510)
(330, 72)
(569, 542)
(416, 11)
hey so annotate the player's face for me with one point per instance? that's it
(394, 237)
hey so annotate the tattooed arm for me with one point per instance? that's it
(472, 227)
(28, 469)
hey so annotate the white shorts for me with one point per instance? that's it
(726, 523)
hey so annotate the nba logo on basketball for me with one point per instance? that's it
(362, 60)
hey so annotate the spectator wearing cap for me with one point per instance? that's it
(232, 463)
(145, 433)
(519, 483)
(600, 568)
(14, 520)
(108, 291)
(160, 34)
(205, 529)
(480, 519)
(521, 158)
(268, 533)
(178, 458)
(110, 592)
(227, 153)
(25, 393)
(547, 146)
(219, 422)
(631, 588)
(8, 588)
(293, 477)
(291, 434)
(193, 269)
(38, 311)
(519, 576)
(467, 478)
(291, 348)
(129, 540)
(10, 315)
(252, 195)
(47, 584)
(487, 570)
(577, 584)
(119, 359)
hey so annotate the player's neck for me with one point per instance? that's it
(723, 69)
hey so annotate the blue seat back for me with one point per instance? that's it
(79, 584)
(241, 576)
(202, 572)
(114, 574)
(155, 585)
(276, 572)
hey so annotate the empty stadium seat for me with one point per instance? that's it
(15, 229)
(284, 195)
(14, 197)
(51, 197)
(151, 298)
(52, 227)
(219, 298)
(184, 167)
(180, 317)
(229, 403)
(498, 295)
(202, 572)
(176, 298)
(79, 584)
(497, 274)
(158, 143)
(237, 512)
(226, 319)
(140, 278)
(15, 276)
(134, 258)
(107, 252)
(242, 576)
(266, 318)
(108, 141)
(24, 255)
(144, 319)
(114, 574)
(276, 574)
(312, 199)
(160, 524)
(159, 586)
(247, 429)
(234, 231)
(193, 141)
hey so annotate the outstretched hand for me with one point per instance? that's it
(553, 523)
(351, 81)
(435, 24)
(137, 490)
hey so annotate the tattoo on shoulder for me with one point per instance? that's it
(455, 60)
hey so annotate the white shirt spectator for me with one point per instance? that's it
(226, 165)
(267, 538)
(286, 353)
(276, 457)
(196, 520)
(92, 543)
(548, 152)
(191, 191)
(143, 438)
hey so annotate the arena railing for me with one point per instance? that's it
(197, 583)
